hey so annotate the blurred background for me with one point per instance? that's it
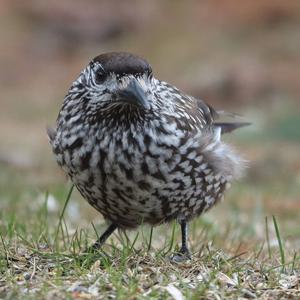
(238, 56)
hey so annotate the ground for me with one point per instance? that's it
(237, 251)
(237, 57)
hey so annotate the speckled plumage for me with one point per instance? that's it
(137, 162)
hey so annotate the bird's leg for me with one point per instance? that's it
(99, 243)
(184, 252)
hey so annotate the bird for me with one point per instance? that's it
(140, 150)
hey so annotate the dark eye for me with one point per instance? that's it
(100, 76)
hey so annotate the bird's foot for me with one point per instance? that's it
(183, 255)
(97, 246)
(91, 255)
(97, 251)
(92, 250)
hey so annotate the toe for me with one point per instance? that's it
(180, 257)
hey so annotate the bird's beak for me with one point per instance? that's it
(134, 94)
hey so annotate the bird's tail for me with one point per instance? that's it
(227, 127)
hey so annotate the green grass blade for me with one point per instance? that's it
(280, 244)
(62, 213)
(172, 240)
(95, 229)
(134, 241)
(294, 261)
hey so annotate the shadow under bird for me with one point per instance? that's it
(139, 150)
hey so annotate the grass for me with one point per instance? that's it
(41, 257)
(280, 244)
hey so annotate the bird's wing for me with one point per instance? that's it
(51, 134)
(201, 114)
(187, 108)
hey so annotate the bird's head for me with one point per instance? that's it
(115, 80)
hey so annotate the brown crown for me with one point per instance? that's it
(122, 63)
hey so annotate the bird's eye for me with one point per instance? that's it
(100, 76)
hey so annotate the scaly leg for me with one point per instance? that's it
(184, 252)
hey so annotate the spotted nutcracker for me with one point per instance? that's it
(138, 149)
